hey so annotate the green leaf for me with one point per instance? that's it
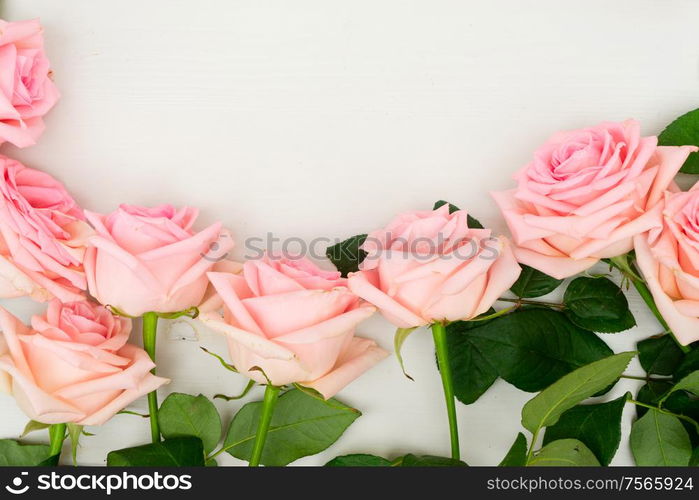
(175, 452)
(650, 393)
(689, 364)
(659, 355)
(398, 340)
(74, 433)
(220, 359)
(658, 439)
(679, 403)
(690, 383)
(51, 461)
(15, 454)
(185, 415)
(685, 404)
(472, 373)
(472, 222)
(694, 461)
(545, 408)
(358, 460)
(517, 456)
(346, 255)
(597, 304)
(248, 387)
(682, 132)
(302, 425)
(598, 426)
(533, 283)
(530, 348)
(32, 426)
(564, 453)
(411, 460)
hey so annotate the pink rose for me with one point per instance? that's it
(42, 236)
(149, 260)
(73, 364)
(669, 260)
(429, 266)
(26, 90)
(586, 195)
(295, 322)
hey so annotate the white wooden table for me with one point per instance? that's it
(325, 118)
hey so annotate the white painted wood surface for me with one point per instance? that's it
(323, 119)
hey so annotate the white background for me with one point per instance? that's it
(325, 118)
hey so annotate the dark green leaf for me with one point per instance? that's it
(679, 403)
(681, 132)
(176, 452)
(689, 383)
(302, 425)
(689, 364)
(564, 453)
(346, 255)
(15, 454)
(52, 461)
(694, 461)
(185, 415)
(472, 373)
(530, 348)
(546, 407)
(411, 460)
(650, 393)
(598, 426)
(472, 222)
(682, 403)
(658, 439)
(358, 460)
(659, 355)
(597, 304)
(517, 456)
(533, 283)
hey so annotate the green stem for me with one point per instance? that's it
(439, 334)
(268, 404)
(150, 328)
(625, 264)
(530, 452)
(666, 412)
(57, 434)
(520, 302)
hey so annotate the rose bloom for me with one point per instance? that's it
(586, 194)
(42, 236)
(669, 260)
(73, 364)
(26, 90)
(429, 266)
(149, 259)
(295, 322)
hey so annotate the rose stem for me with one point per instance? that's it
(439, 334)
(627, 268)
(57, 434)
(268, 404)
(150, 328)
